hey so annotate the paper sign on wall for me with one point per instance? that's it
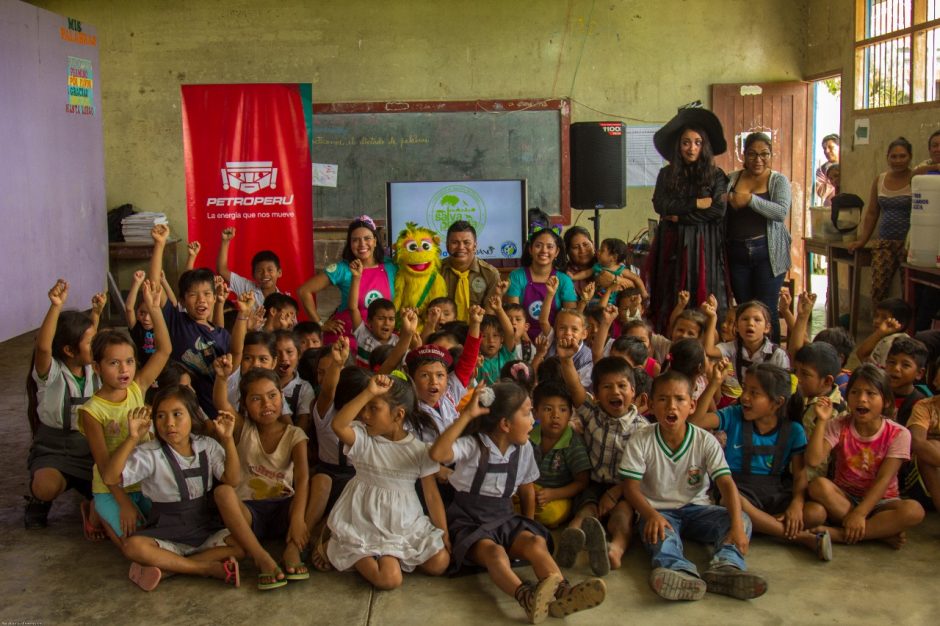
(325, 174)
(862, 131)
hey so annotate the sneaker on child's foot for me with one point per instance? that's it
(728, 580)
(535, 597)
(569, 599)
(674, 584)
(37, 512)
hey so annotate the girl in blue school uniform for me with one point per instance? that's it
(176, 472)
(488, 445)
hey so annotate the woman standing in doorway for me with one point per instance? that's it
(825, 190)
(688, 253)
(758, 241)
(890, 200)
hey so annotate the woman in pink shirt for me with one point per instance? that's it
(868, 448)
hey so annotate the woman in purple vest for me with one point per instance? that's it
(543, 255)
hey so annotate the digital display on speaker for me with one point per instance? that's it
(495, 208)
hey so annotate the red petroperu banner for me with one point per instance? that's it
(247, 153)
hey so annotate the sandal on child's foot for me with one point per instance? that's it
(570, 543)
(145, 576)
(674, 584)
(728, 580)
(824, 546)
(536, 598)
(271, 580)
(595, 541)
(587, 594)
(232, 572)
(300, 571)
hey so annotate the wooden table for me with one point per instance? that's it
(837, 252)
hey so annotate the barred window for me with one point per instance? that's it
(897, 52)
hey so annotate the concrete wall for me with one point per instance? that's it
(627, 58)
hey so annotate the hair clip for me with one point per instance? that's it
(487, 397)
(365, 219)
(518, 368)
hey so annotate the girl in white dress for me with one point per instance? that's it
(378, 526)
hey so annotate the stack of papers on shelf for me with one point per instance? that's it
(136, 228)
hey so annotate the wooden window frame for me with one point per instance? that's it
(917, 32)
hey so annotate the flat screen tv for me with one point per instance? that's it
(495, 208)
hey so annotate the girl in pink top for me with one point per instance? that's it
(868, 450)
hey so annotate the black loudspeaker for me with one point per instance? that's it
(598, 165)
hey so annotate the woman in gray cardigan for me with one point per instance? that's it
(756, 233)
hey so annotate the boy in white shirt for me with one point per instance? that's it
(667, 469)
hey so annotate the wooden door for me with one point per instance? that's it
(781, 110)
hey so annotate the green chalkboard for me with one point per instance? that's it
(373, 143)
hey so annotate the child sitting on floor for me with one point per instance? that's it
(62, 379)
(493, 461)
(180, 524)
(310, 335)
(377, 525)
(608, 419)
(270, 500)
(497, 342)
(868, 449)
(525, 350)
(924, 425)
(298, 393)
(564, 466)
(764, 450)
(668, 469)
(817, 364)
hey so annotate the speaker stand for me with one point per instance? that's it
(597, 227)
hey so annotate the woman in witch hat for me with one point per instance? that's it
(688, 252)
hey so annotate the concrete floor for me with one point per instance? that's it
(54, 576)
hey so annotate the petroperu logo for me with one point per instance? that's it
(249, 177)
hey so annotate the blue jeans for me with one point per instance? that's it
(752, 278)
(705, 523)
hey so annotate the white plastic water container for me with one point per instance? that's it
(924, 250)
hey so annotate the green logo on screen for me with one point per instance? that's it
(453, 203)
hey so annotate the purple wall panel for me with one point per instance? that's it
(52, 198)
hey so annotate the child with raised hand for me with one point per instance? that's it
(667, 469)
(488, 443)
(339, 385)
(196, 341)
(764, 450)
(265, 270)
(181, 535)
(751, 345)
(497, 342)
(377, 525)
(571, 329)
(139, 324)
(439, 312)
(863, 497)
(525, 349)
(271, 497)
(192, 252)
(564, 466)
(688, 357)
(891, 317)
(378, 329)
(608, 419)
(281, 312)
(905, 366)
(439, 389)
(103, 418)
(816, 366)
(62, 379)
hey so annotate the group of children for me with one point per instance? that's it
(418, 441)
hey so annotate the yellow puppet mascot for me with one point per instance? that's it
(418, 255)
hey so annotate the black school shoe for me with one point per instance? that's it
(728, 580)
(37, 512)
